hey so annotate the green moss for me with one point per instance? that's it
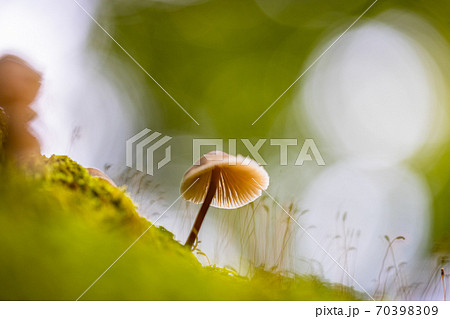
(60, 229)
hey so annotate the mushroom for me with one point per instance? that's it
(19, 86)
(19, 82)
(224, 181)
(96, 173)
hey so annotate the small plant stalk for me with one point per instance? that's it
(204, 209)
(443, 283)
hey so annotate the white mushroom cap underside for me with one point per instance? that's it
(241, 180)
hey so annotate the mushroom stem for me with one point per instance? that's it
(204, 209)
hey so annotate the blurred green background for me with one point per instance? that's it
(226, 61)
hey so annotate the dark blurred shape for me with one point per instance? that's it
(19, 85)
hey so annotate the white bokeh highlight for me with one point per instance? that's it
(371, 103)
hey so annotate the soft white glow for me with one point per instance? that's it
(371, 98)
(380, 202)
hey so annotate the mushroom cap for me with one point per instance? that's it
(19, 82)
(241, 180)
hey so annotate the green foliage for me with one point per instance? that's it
(438, 175)
(60, 229)
(224, 61)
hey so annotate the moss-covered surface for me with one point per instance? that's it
(60, 229)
